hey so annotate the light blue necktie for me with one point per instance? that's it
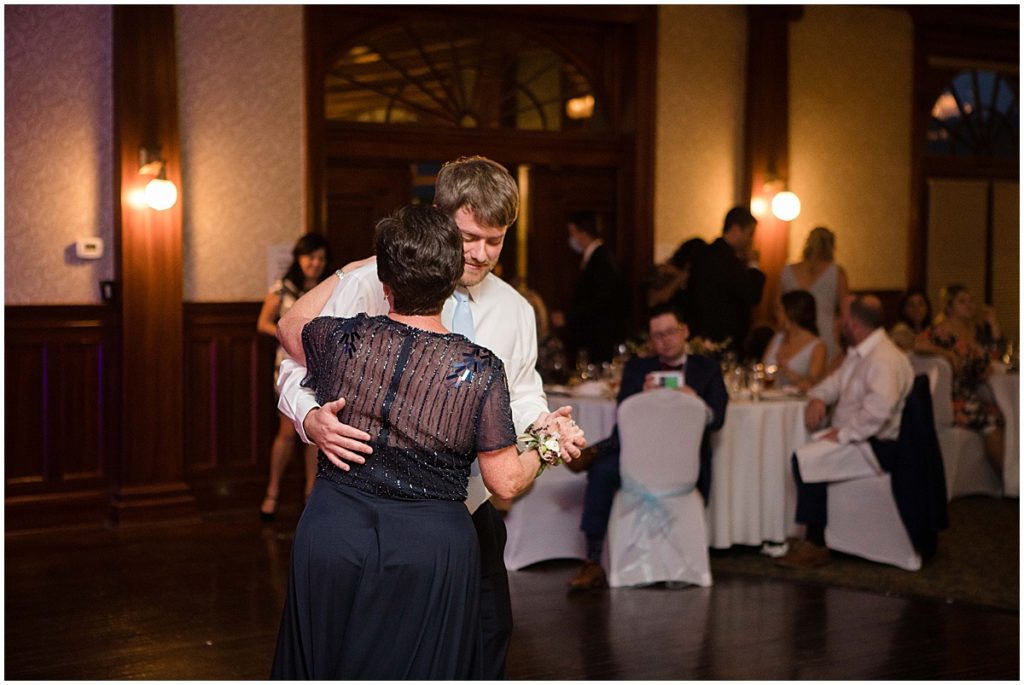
(462, 319)
(462, 323)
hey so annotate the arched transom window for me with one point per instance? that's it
(459, 74)
(977, 115)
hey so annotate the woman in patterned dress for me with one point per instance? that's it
(958, 336)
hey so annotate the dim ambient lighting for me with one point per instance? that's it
(786, 206)
(160, 193)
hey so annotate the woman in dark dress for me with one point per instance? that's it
(385, 566)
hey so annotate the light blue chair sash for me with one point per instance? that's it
(651, 519)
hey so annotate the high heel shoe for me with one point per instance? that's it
(268, 516)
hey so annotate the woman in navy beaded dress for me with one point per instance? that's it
(385, 566)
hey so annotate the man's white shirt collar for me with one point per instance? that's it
(869, 343)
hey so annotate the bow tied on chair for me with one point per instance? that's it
(650, 515)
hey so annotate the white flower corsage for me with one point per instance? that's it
(546, 443)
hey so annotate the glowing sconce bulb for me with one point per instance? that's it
(161, 194)
(786, 206)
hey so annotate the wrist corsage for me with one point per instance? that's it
(545, 441)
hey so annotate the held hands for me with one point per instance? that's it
(570, 436)
(338, 441)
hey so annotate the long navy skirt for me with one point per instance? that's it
(381, 589)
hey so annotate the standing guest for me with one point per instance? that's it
(669, 282)
(959, 338)
(702, 378)
(726, 284)
(868, 392)
(310, 257)
(482, 198)
(822, 277)
(385, 573)
(595, 320)
(915, 315)
(796, 349)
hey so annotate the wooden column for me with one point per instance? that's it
(766, 136)
(149, 481)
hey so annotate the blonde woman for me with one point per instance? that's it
(819, 275)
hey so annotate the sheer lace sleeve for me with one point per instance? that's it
(316, 336)
(494, 427)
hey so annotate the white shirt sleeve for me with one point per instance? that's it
(525, 387)
(357, 292)
(505, 324)
(885, 386)
(828, 389)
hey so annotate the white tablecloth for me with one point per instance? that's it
(545, 522)
(1006, 389)
(595, 415)
(753, 494)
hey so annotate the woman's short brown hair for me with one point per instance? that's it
(419, 257)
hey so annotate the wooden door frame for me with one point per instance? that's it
(631, 82)
(973, 35)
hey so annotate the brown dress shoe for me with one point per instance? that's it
(590, 577)
(805, 555)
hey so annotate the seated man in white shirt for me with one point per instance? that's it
(868, 390)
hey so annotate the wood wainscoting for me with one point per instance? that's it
(230, 404)
(62, 432)
(63, 416)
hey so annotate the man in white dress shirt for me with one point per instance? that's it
(483, 199)
(868, 390)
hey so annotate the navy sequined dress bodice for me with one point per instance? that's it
(429, 401)
(385, 573)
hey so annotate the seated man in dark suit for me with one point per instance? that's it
(703, 379)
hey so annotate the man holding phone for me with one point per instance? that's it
(669, 367)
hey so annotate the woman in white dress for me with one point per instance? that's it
(819, 275)
(796, 349)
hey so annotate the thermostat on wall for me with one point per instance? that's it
(89, 248)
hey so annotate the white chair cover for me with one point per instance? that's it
(657, 530)
(963, 451)
(545, 522)
(863, 520)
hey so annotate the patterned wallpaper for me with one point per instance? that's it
(851, 79)
(58, 155)
(699, 128)
(242, 107)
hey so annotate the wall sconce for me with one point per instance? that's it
(783, 204)
(160, 193)
(580, 108)
(786, 206)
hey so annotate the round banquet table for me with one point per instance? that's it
(753, 495)
(545, 522)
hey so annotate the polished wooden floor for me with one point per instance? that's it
(202, 601)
